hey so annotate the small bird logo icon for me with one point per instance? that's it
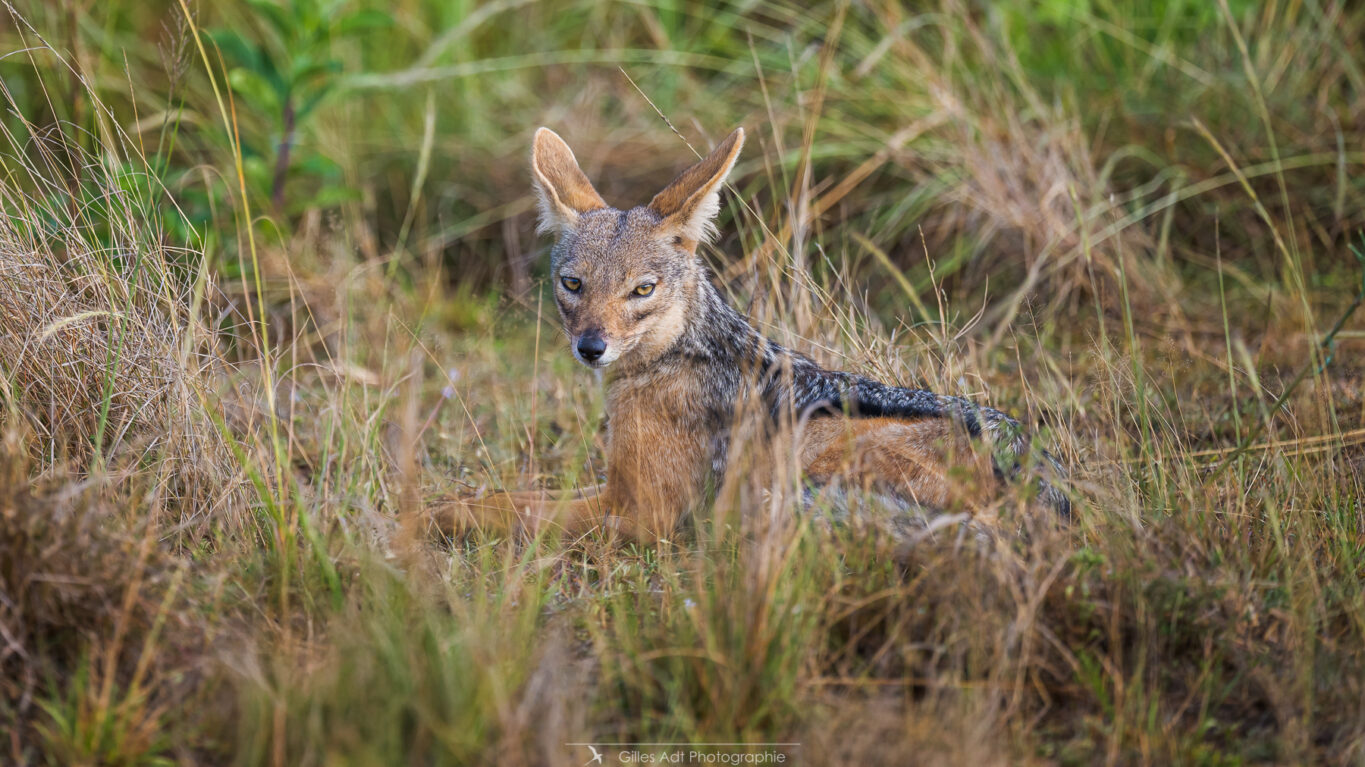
(596, 757)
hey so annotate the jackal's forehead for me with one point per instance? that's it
(609, 246)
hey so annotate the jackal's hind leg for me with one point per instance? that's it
(928, 462)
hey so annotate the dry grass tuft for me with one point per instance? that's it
(104, 362)
(85, 594)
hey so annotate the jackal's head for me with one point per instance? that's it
(625, 280)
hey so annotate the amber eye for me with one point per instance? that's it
(645, 289)
(571, 284)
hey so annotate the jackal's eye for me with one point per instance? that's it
(645, 289)
(571, 284)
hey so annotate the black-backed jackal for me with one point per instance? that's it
(684, 370)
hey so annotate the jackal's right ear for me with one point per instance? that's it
(562, 188)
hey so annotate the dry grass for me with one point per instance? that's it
(218, 409)
(97, 633)
(106, 357)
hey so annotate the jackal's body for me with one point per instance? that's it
(685, 371)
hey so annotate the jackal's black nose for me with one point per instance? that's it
(591, 347)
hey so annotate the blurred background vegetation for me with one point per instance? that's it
(269, 287)
(986, 128)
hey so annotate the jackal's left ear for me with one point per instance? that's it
(689, 205)
(562, 188)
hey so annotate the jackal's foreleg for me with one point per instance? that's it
(530, 511)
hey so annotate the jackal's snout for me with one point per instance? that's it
(590, 347)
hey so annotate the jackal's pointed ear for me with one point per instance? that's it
(689, 205)
(563, 190)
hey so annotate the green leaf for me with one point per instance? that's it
(329, 197)
(305, 68)
(284, 23)
(252, 57)
(307, 105)
(259, 173)
(358, 21)
(321, 166)
(236, 49)
(307, 17)
(257, 91)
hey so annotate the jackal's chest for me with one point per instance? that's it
(684, 419)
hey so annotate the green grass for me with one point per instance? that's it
(232, 382)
